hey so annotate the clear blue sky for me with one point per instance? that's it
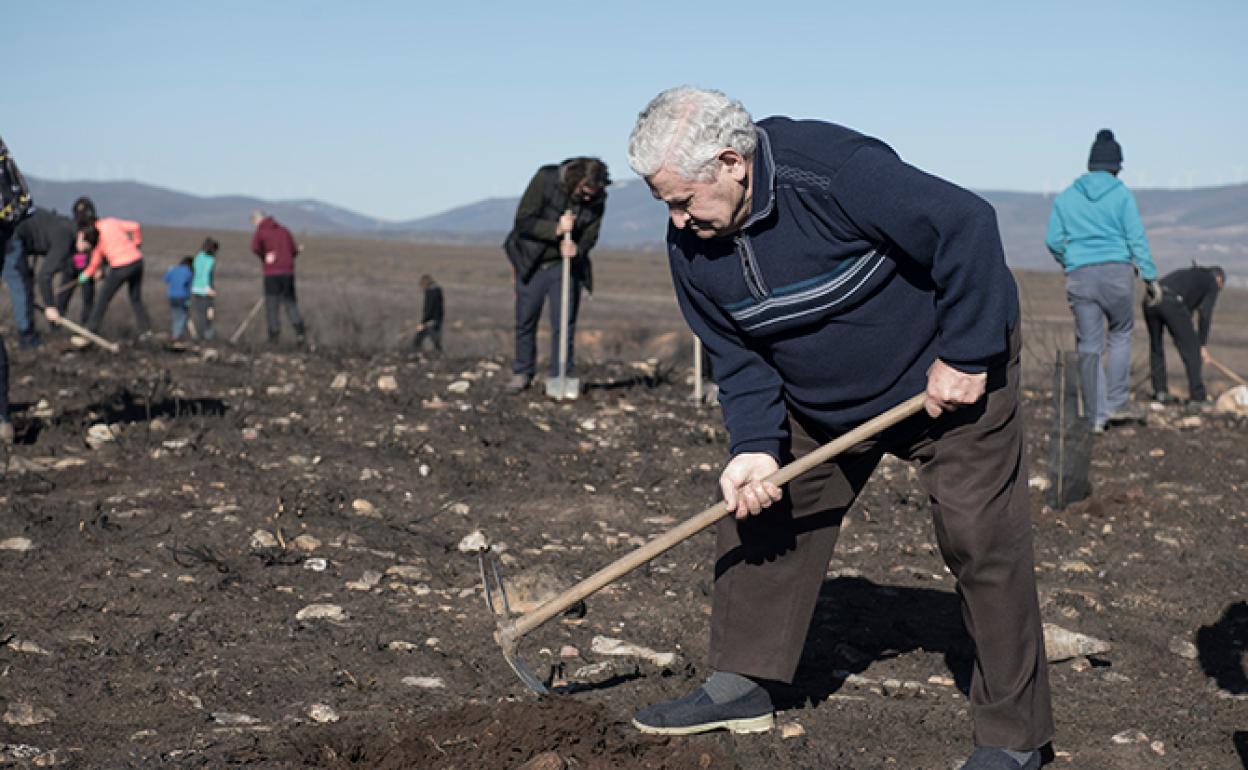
(401, 109)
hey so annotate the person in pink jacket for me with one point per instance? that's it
(117, 242)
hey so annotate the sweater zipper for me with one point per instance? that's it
(753, 280)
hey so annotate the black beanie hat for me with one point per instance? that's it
(1106, 153)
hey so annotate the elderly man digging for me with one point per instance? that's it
(829, 281)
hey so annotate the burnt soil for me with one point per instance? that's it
(150, 627)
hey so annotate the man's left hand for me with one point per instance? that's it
(1204, 354)
(567, 248)
(948, 388)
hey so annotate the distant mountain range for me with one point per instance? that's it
(1209, 225)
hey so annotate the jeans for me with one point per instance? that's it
(178, 316)
(1103, 296)
(544, 288)
(279, 291)
(203, 307)
(131, 276)
(18, 278)
(1172, 314)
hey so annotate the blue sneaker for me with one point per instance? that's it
(989, 758)
(697, 713)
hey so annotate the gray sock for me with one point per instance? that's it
(1021, 757)
(724, 686)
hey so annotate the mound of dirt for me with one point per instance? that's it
(537, 735)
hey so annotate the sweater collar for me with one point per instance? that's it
(764, 192)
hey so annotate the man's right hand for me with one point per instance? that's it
(745, 492)
(566, 223)
(1152, 293)
(52, 315)
(270, 258)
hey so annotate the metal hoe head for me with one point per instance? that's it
(505, 634)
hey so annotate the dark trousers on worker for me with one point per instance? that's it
(279, 292)
(130, 276)
(203, 312)
(4, 382)
(545, 287)
(432, 331)
(69, 279)
(769, 568)
(1172, 314)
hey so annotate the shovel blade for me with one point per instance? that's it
(571, 388)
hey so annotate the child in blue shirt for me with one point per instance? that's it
(178, 278)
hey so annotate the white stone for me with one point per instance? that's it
(316, 564)
(605, 645)
(1039, 483)
(398, 645)
(1061, 644)
(306, 542)
(20, 544)
(427, 682)
(387, 383)
(364, 508)
(319, 712)
(26, 646)
(98, 435)
(792, 730)
(262, 539)
(340, 382)
(473, 542)
(459, 386)
(233, 718)
(330, 612)
(26, 715)
(1183, 648)
(460, 509)
(407, 572)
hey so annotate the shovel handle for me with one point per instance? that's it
(1227, 371)
(111, 347)
(690, 527)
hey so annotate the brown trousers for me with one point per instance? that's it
(971, 463)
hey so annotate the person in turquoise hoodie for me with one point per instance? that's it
(203, 289)
(1096, 234)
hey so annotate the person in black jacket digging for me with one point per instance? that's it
(1184, 292)
(565, 199)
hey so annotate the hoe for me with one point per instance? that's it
(512, 629)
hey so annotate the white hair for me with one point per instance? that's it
(684, 129)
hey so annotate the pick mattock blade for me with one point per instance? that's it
(500, 608)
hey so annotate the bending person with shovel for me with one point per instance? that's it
(829, 282)
(557, 224)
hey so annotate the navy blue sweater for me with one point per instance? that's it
(853, 272)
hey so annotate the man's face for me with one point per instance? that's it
(712, 209)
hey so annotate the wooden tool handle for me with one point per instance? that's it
(1227, 371)
(693, 526)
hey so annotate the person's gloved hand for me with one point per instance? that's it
(83, 278)
(1152, 293)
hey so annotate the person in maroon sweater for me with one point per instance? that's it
(276, 248)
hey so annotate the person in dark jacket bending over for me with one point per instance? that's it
(830, 281)
(276, 248)
(565, 199)
(430, 326)
(53, 235)
(1183, 292)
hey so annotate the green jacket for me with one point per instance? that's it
(537, 216)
